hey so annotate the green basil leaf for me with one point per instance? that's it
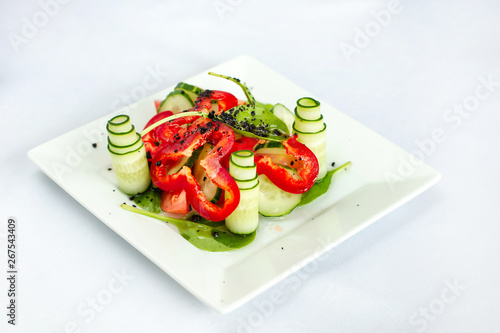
(254, 121)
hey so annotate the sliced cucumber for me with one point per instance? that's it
(242, 165)
(188, 161)
(307, 125)
(190, 90)
(273, 201)
(131, 170)
(245, 218)
(177, 101)
(119, 124)
(243, 158)
(311, 130)
(128, 155)
(280, 111)
(212, 191)
(124, 138)
(248, 183)
(308, 108)
(125, 149)
(311, 137)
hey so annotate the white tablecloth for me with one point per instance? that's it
(405, 69)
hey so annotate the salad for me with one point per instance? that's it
(211, 164)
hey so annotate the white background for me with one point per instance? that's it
(394, 276)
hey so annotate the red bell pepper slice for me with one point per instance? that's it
(305, 162)
(223, 140)
(193, 137)
(164, 133)
(225, 101)
(151, 140)
(243, 143)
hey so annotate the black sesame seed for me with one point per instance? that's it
(94, 145)
(158, 163)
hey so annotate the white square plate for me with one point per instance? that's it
(356, 198)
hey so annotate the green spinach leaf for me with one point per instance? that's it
(322, 186)
(214, 237)
(149, 200)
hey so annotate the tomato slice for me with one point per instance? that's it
(175, 202)
(157, 104)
